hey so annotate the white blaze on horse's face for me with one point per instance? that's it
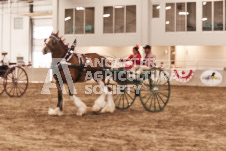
(50, 45)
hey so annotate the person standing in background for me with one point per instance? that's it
(150, 58)
(5, 60)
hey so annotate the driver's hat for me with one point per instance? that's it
(4, 52)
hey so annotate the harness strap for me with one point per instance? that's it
(81, 66)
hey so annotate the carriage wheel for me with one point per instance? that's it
(124, 94)
(155, 91)
(1, 85)
(16, 82)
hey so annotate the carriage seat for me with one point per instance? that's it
(3, 70)
(140, 69)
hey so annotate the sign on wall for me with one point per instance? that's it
(211, 78)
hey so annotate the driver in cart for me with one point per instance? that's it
(139, 65)
(148, 62)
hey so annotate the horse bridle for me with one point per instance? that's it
(54, 42)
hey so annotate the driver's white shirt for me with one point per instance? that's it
(5, 60)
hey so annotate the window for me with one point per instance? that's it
(79, 20)
(170, 17)
(119, 19)
(207, 16)
(155, 11)
(218, 15)
(89, 20)
(68, 21)
(82, 21)
(213, 15)
(191, 17)
(18, 23)
(180, 17)
(108, 19)
(130, 19)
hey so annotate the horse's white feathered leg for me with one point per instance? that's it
(79, 104)
(110, 106)
(100, 102)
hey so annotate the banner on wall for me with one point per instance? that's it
(183, 75)
(211, 78)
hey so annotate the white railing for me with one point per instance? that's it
(194, 64)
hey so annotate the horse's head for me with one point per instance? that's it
(53, 43)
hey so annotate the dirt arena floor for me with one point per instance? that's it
(194, 119)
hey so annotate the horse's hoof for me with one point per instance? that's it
(96, 108)
(110, 106)
(108, 109)
(81, 111)
(55, 112)
(51, 112)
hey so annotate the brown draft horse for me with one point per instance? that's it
(58, 49)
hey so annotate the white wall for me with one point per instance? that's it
(17, 41)
(201, 57)
(14, 41)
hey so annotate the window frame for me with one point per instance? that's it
(84, 21)
(113, 20)
(158, 9)
(125, 8)
(175, 18)
(213, 15)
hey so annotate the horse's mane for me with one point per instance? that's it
(65, 47)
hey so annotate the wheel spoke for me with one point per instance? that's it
(127, 99)
(161, 98)
(163, 89)
(20, 90)
(158, 102)
(123, 100)
(151, 102)
(163, 94)
(129, 96)
(119, 100)
(148, 99)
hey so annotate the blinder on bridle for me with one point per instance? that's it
(54, 42)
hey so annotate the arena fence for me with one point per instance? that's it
(39, 75)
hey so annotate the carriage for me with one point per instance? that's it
(151, 86)
(13, 80)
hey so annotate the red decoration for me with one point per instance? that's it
(138, 47)
(183, 75)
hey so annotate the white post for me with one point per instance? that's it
(55, 15)
(10, 30)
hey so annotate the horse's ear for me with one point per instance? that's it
(57, 33)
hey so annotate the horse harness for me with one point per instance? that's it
(66, 58)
